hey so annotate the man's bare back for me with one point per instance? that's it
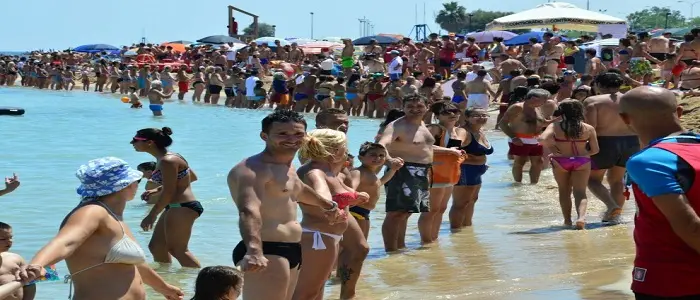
(602, 112)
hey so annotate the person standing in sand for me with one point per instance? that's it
(325, 153)
(266, 189)
(522, 123)
(295, 55)
(534, 59)
(658, 46)
(478, 91)
(593, 65)
(408, 192)
(508, 65)
(616, 140)
(553, 57)
(640, 63)
(346, 57)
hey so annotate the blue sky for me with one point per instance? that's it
(69, 23)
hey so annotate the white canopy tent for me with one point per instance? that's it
(559, 14)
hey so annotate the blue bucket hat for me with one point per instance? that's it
(104, 176)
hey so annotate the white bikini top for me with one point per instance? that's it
(125, 251)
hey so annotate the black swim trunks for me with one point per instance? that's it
(614, 151)
(659, 56)
(409, 189)
(360, 213)
(290, 251)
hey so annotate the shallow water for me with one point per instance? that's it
(516, 249)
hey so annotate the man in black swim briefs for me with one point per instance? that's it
(408, 192)
(617, 143)
(270, 251)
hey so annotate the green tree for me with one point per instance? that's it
(264, 29)
(479, 19)
(452, 17)
(455, 18)
(655, 17)
(694, 22)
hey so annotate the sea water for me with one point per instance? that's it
(516, 249)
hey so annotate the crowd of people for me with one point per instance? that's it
(431, 148)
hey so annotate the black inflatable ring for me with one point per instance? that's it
(11, 111)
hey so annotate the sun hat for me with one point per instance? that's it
(104, 176)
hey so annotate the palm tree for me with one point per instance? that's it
(452, 17)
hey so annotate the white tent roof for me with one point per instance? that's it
(606, 42)
(562, 15)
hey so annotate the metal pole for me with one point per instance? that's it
(666, 25)
(588, 4)
(312, 25)
(691, 10)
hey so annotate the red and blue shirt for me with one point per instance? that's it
(664, 264)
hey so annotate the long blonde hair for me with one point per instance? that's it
(321, 144)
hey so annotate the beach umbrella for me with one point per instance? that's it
(677, 32)
(487, 36)
(270, 41)
(317, 47)
(562, 15)
(94, 48)
(381, 39)
(219, 39)
(179, 42)
(299, 41)
(335, 39)
(524, 38)
(177, 47)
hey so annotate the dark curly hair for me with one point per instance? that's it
(282, 116)
(571, 112)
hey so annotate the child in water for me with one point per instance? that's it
(156, 97)
(364, 179)
(147, 169)
(260, 95)
(9, 263)
(218, 283)
(133, 98)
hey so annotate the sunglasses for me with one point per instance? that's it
(479, 116)
(138, 139)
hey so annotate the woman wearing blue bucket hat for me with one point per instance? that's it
(103, 258)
